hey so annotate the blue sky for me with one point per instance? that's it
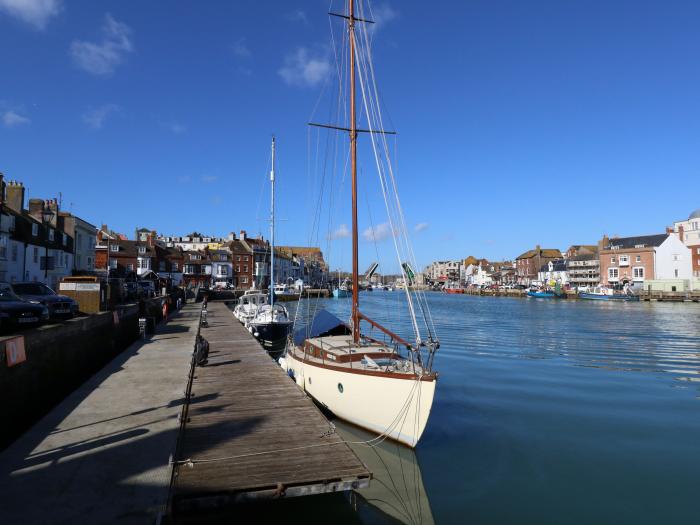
(548, 122)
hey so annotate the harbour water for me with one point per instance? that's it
(546, 412)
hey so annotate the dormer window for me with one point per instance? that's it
(113, 247)
(35, 229)
(142, 250)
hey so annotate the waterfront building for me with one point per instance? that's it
(688, 231)
(241, 263)
(307, 263)
(195, 241)
(583, 270)
(34, 245)
(221, 266)
(528, 264)
(440, 272)
(633, 260)
(197, 270)
(83, 234)
(554, 272)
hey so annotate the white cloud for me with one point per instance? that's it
(240, 49)
(209, 178)
(421, 226)
(303, 68)
(102, 58)
(177, 128)
(298, 16)
(341, 233)
(33, 12)
(12, 118)
(379, 233)
(96, 117)
(382, 14)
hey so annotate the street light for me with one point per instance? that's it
(46, 216)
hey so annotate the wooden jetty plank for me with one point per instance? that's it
(251, 430)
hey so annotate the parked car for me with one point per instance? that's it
(148, 287)
(15, 311)
(58, 305)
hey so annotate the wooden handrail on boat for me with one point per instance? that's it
(386, 331)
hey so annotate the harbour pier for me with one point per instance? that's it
(152, 436)
(250, 433)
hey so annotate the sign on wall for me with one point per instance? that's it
(14, 351)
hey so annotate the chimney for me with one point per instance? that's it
(680, 232)
(36, 206)
(15, 196)
(2, 188)
(243, 235)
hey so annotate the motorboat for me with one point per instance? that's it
(603, 293)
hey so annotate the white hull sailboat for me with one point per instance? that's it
(384, 386)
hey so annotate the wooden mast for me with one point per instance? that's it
(353, 171)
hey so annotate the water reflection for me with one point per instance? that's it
(396, 489)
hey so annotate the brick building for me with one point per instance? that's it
(528, 264)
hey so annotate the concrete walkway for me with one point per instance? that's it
(102, 455)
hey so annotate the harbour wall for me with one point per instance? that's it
(59, 358)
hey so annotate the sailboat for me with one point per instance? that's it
(271, 323)
(385, 383)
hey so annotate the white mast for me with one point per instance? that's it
(272, 227)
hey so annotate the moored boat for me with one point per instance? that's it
(603, 293)
(546, 294)
(386, 386)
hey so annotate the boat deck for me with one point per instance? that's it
(251, 433)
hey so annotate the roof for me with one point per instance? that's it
(695, 214)
(585, 257)
(557, 266)
(551, 253)
(642, 241)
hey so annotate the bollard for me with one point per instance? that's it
(142, 327)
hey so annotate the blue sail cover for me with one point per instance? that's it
(324, 323)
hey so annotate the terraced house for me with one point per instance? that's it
(528, 264)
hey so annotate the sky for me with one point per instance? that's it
(519, 123)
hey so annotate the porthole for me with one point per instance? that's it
(340, 387)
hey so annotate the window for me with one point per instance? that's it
(698, 251)
(238, 258)
(638, 272)
(612, 259)
(675, 272)
(222, 270)
(612, 273)
(36, 255)
(65, 239)
(238, 269)
(51, 234)
(3, 246)
(244, 279)
(14, 252)
(113, 264)
(174, 266)
(142, 250)
(161, 266)
(624, 260)
(113, 247)
(35, 229)
(638, 258)
(245, 268)
(676, 257)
